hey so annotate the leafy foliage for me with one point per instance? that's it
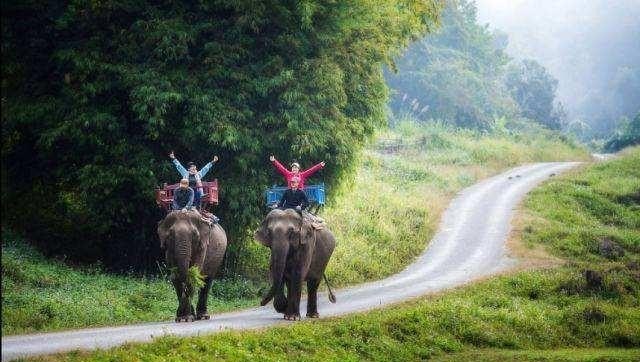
(534, 89)
(95, 94)
(462, 75)
(195, 278)
(455, 74)
(626, 134)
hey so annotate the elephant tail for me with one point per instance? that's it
(332, 297)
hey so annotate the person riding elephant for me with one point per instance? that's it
(183, 197)
(293, 197)
(189, 241)
(299, 253)
(295, 171)
(193, 176)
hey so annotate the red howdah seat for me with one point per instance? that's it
(164, 196)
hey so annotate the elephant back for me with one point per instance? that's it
(216, 247)
(325, 243)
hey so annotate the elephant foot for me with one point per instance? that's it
(187, 318)
(203, 316)
(313, 315)
(292, 317)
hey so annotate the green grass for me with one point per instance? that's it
(559, 355)
(553, 314)
(573, 215)
(40, 294)
(521, 312)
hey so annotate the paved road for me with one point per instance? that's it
(470, 244)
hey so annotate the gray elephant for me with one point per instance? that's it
(188, 241)
(299, 253)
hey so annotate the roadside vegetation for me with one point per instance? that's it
(383, 218)
(390, 211)
(586, 309)
(41, 294)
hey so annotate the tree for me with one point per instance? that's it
(627, 134)
(454, 75)
(95, 94)
(534, 89)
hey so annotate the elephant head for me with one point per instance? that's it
(184, 237)
(291, 242)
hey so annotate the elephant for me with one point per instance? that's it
(187, 241)
(299, 253)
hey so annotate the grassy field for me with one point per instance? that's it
(586, 309)
(383, 218)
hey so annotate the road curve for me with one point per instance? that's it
(470, 244)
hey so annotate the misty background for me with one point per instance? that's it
(591, 46)
(570, 65)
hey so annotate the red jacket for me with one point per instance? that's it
(288, 175)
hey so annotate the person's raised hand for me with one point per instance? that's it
(215, 158)
(272, 158)
(172, 156)
(322, 163)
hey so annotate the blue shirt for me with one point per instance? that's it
(185, 174)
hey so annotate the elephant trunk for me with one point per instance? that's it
(278, 261)
(183, 260)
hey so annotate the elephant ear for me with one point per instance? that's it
(164, 227)
(307, 233)
(262, 234)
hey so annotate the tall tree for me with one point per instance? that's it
(534, 88)
(96, 93)
(454, 75)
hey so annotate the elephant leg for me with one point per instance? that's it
(312, 300)
(184, 311)
(293, 291)
(177, 285)
(202, 299)
(280, 302)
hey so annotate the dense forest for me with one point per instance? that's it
(463, 75)
(96, 94)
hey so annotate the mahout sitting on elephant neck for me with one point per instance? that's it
(299, 252)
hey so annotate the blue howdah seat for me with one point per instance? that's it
(315, 194)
